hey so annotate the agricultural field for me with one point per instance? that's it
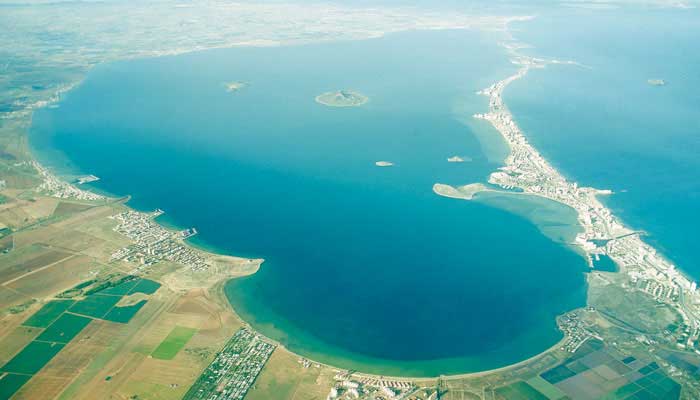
(10, 383)
(121, 289)
(520, 391)
(125, 313)
(45, 282)
(95, 305)
(145, 286)
(173, 343)
(64, 329)
(32, 358)
(48, 313)
(75, 324)
(62, 322)
(596, 372)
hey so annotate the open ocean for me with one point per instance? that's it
(605, 126)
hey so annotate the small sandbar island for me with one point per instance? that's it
(384, 164)
(234, 86)
(656, 82)
(458, 159)
(342, 98)
(466, 192)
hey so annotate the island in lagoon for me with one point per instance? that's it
(458, 159)
(342, 98)
(656, 82)
(235, 86)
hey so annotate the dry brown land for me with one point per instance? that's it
(285, 378)
(58, 244)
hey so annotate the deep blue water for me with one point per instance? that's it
(365, 267)
(605, 126)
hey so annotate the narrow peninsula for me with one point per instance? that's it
(603, 234)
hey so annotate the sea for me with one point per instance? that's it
(604, 125)
(365, 267)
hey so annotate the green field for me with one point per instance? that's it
(95, 305)
(557, 374)
(519, 391)
(124, 314)
(145, 286)
(173, 343)
(552, 392)
(64, 329)
(11, 383)
(32, 358)
(63, 320)
(120, 289)
(48, 313)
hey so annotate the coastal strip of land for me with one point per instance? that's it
(603, 234)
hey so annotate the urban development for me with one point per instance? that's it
(153, 243)
(603, 234)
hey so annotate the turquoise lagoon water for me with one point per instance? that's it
(365, 267)
(605, 126)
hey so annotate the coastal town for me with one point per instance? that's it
(350, 387)
(602, 233)
(576, 330)
(152, 243)
(234, 369)
(56, 187)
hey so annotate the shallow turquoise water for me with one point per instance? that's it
(365, 267)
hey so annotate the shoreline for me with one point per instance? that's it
(565, 227)
(515, 365)
(223, 282)
(524, 168)
(418, 369)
